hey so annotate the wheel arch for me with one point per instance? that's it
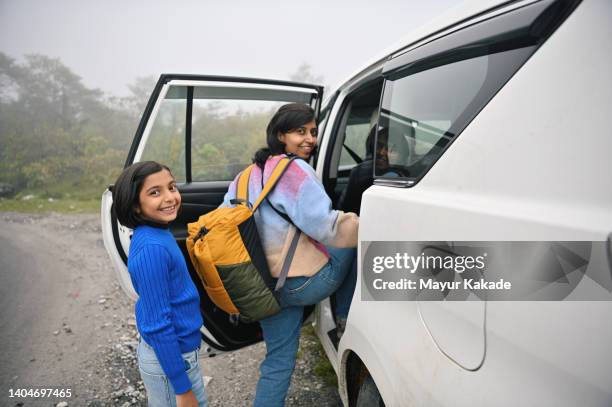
(352, 372)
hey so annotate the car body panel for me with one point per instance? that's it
(533, 165)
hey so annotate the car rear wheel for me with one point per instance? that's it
(368, 394)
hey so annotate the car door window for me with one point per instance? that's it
(166, 142)
(208, 129)
(361, 116)
(432, 92)
(423, 112)
(226, 134)
(355, 136)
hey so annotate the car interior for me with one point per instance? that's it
(358, 117)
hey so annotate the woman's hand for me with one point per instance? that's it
(186, 400)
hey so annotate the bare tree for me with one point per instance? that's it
(304, 74)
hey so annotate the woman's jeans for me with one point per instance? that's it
(159, 389)
(282, 331)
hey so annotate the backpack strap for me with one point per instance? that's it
(287, 263)
(294, 242)
(279, 213)
(242, 189)
(277, 173)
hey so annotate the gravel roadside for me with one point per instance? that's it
(87, 338)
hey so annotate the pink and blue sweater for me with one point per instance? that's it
(300, 195)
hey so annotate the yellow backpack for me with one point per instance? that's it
(226, 252)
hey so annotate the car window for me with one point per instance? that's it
(361, 118)
(166, 142)
(355, 135)
(226, 134)
(424, 111)
(222, 124)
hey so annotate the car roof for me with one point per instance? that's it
(454, 16)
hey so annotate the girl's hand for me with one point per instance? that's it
(186, 400)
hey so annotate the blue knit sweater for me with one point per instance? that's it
(168, 308)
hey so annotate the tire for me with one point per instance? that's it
(368, 394)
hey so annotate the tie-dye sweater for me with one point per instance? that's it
(300, 195)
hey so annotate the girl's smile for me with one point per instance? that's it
(159, 198)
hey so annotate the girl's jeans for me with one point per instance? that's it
(159, 389)
(282, 331)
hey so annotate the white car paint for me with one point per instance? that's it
(533, 165)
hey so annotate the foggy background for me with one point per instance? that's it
(111, 43)
(74, 75)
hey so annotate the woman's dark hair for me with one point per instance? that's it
(288, 117)
(126, 192)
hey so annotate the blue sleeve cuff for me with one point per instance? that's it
(181, 383)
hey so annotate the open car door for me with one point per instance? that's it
(206, 129)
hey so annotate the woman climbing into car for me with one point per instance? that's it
(322, 260)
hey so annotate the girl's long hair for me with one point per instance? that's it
(126, 192)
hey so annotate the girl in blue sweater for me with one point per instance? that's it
(168, 308)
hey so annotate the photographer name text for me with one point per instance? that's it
(431, 284)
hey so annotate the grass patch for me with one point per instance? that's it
(322, 367)
(44, 205)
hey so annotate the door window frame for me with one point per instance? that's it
(340, 119)
(191, 82)
(525, 28)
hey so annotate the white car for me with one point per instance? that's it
(498, 115)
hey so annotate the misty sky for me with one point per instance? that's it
(110, 43)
